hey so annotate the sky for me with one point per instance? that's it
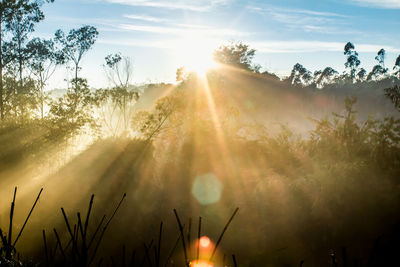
(161, 35)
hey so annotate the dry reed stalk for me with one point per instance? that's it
(183, 237)
(222, 234)
(198, 240)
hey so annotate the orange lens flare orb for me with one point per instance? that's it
(205, 242)
(201, 263)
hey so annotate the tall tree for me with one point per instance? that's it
(381, 57)
(6, 57)
(18, 19)
(25, 15)
(121, 97)
(361, 74)
(76, 44)
(43, 61)
(396, 67)
(72, 111)
(324, 77)
(300, 75)
(119, 70)
(352, 61)
(378, 70)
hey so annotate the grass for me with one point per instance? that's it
(81, 249)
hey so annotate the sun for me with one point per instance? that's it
(196, 54)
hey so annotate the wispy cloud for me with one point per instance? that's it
(144, 18)
(185, 29)
(295, 11)
(190, 5)
(391, 4)
(301, 46)
(302, 19)
(277, 46)
(172, 44)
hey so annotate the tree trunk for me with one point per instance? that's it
(41, 98)
(76, 76)
(20, 69)
(1, 68)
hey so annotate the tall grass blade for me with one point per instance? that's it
(183, 237)
(27, 218)
(223, 232)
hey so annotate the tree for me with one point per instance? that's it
(43, 61)
(18, 19)
(237, 55)
(352, 61)
(25, 14)
(166, 113)
(361, 75)
(5, 56)
(324, 77)
(300, 75)
(181, 74)
(393, 93)
(378, 70)
(381, 57)
(76, 44)
(396, 67)
(119, 70)
(71, 112)
(117, 103)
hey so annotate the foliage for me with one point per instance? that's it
(181, 74)
(43, 61)
(397, 66)
(115, 107)
(164, 116)
(393, 93)
(236, 55)
(300, 75)
(76, 43)
(324, 77)
(345, 137)
(352, 62)
(73, 111)
(119, 70)
(18, 19)
(379, 70)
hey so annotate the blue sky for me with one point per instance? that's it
(161, 35)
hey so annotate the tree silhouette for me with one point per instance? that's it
(76, 44)
(18, 18)
(381, 57)
(6, 56)
(237, 55)
(393, 93)
(119, 70)
(397, 66)
(361, 75)
(119, 100)
(378, 70)
(352, 61)
(300, 75)
(71, 112)
(43, 61)
(324, 77)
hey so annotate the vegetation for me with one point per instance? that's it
(310, 175)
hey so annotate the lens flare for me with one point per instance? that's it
(205, 242)
(207, 189)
